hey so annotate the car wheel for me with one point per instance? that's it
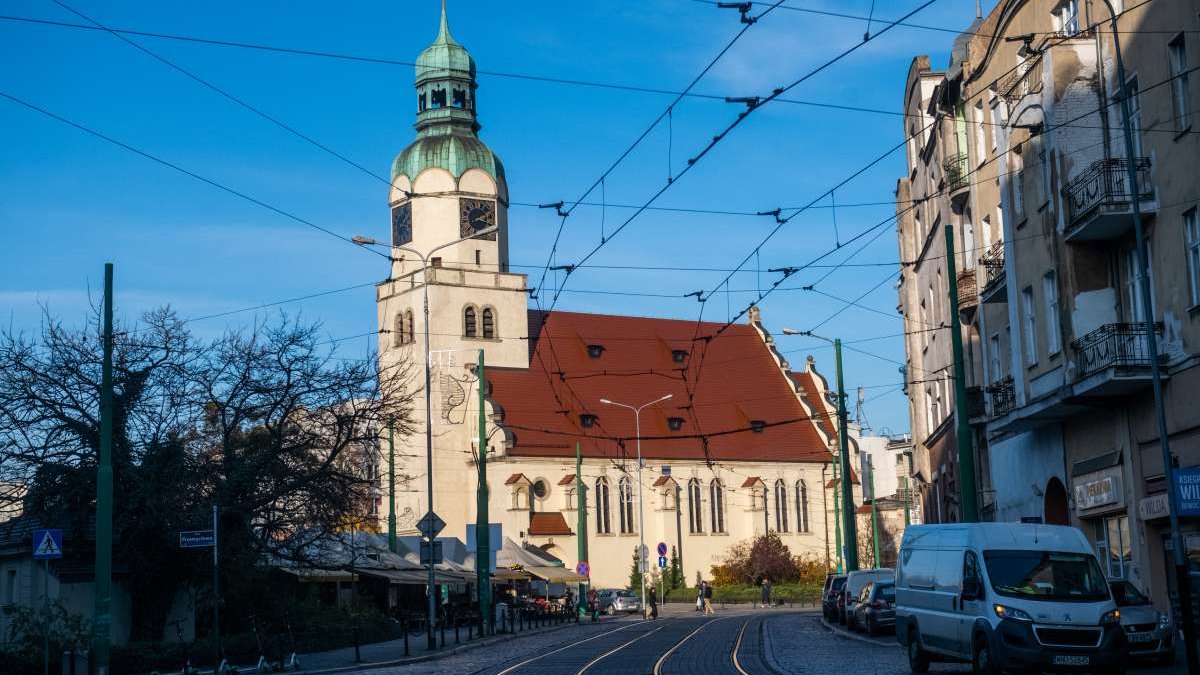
(611, 611)
(918, 659)
(982, 662)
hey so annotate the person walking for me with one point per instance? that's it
(708, 608)
(700, 596)
(766, 592)
(652, 594)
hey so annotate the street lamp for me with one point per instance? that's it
(431, 605)
(849, 527)
(637, 425)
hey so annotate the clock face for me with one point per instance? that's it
(475, 215)
(402, 224)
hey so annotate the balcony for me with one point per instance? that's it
(1026, 79)
(994, 281)
(968, 291)
(1002, 396)
(1100, 200)
(976, 405)
(1113, 360)
(958, 175)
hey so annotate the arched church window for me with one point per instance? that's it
(458, 98)
(421, 105)
(398, 331)
(437, 98)
(695, 507)
(603, 524)
(408, 326)
(489, 323)
(802, 506)
(717, 504)
(469, 322)
(625, 494)
(781, 506)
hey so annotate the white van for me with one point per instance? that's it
(1005, 596)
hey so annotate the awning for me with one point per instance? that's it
(318, 575)
(412, 577)
(509, 575)
(556, 575)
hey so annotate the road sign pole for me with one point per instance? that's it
(46, 616)
(483, 577)
(102, 585)
(581, 520)
(216, 593)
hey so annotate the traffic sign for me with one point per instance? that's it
(430, 526)
(47, 544)
(662, 548)
(583, 569)
(426, 557)
(197, 539)
(662, 561)
(645, 551)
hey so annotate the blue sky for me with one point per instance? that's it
(70, 202)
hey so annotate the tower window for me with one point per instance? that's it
(595, 351)
(459, 98)
(679, 355)
(421, 105)
(408, 326)
(437, 98)
(469, 322)
(587, 420)
(478, 257)
(675, 423)
(757, 426)
(489, 323)
(398, 331)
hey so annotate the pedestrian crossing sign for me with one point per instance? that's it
(47, 544)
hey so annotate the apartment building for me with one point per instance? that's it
(1057, 359)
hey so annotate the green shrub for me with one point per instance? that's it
(800, 593)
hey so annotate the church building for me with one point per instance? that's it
(743, 446)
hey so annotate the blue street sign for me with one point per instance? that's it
(197, 539)
(1187, 490)
(662, 548)
(47, 544)
(662, 561)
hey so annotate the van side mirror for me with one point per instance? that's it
(971, 589)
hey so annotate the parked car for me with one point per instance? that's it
(876, 608)
(1006, 596)
(856, 581)
(830, 595)
(614, 600)
(1150, 633)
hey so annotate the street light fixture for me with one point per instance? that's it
(431, 605)
(637, 424)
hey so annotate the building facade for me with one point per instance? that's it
(1058, 364)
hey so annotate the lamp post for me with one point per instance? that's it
(637, 424)
(431, 605)
(849, 527)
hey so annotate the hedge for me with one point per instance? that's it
(801, 594)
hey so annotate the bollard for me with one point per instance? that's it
(456, 640)
(404, 627)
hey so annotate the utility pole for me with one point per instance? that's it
(483, 552)
(102, 627)
(1183, 580)
(837, 518)
(874, 511)
(391, 486)
(907, 503)
(581, 531)
(847, 483)
(968, 500)
(216, 587)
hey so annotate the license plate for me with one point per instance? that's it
(1064, 660)
(1141, 637)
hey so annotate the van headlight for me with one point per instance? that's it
(1164, 620)
(1005, 612)
(1111, 617)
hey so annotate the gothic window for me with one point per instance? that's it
(421, 102)
(695, 508)
(670, 497)
(520, 498)
(802, 524)
(437, 98)
(603, 523)
(717, 505)
(625, 494)
(398, 331)
(489, 323)
(458, 98)
(408, 325)
(781, 506)
(469, 322)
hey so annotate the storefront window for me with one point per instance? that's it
(1114, 546)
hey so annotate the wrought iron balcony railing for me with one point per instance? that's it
(992, 262)
(1025, 79)
(958, 172)
(1003, 396)
(1105, 184)
(968, 290)
(1122, 346)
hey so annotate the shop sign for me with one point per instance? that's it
(1154, 506)
(1101, 488)
(1187, 490)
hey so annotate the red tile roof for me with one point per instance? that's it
(833, 482)
(751, 481)
(815, 395)
(738, 382)
(663, 480)
(567, 479)
(515, 478)
(546, 524)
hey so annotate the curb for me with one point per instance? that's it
(850, 635)
(768, 652)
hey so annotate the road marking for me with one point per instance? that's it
(662, 659)
(737, 645)
(570, 646)
(609, 653)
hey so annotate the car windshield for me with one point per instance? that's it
(627, 594)
(1127, 595)
(1046, 575)
(838, 583)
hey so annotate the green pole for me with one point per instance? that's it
(581, 522)
(102, 621)
(907, 503)
(874, 516)
(391, 487)
(966, 455)
(483, 554)
(837, 518)
(847, 483)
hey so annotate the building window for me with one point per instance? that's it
(695, 508)
(1114, 546)
(489, 323)
(1133, 284)
(570, 495)
(603, 521)
(670, 496)
(968, 243)
(1050, 300)
(1018, 186)
(625, 494)
(408, 325)
(469, 328)
(520, 498)
(1133, 91)
(980, 134)
(1177, 56)
(717, 502)
(398, 331)
(802, 524)
(781, 507)
(1192, 236)
(1029, 326)
(1066, 17)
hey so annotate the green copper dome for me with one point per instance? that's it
(446, 123)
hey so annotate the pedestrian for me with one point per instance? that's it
(700, 596)
(708, 608)
(593, 603)
(766, 592)
(653, 595)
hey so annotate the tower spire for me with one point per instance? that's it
(444, 36)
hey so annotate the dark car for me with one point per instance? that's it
(876, 608)
(1149, 632)
(829, 596)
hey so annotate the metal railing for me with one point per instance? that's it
(1106, 183)
(992, 262)
(976, 405)
(958, 172)
(1114, 345)
(1003, 396)
(968, 290)
(1025, 79)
